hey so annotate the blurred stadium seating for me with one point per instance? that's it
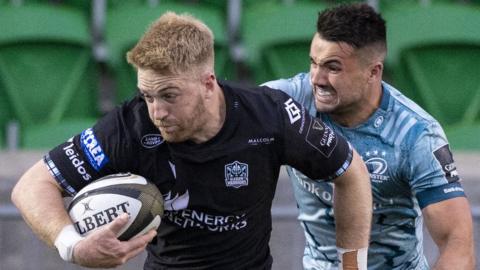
(434, 52)
(256, 41)
(277, 38)
(126, 24)
(54, 54)
(48, 73)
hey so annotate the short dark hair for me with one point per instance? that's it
(357, 24)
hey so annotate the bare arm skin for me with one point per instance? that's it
(38, 197)
(353, 206)
(450, 225)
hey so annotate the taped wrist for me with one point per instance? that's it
(66, 241)
(352, 259)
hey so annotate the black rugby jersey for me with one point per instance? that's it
(218, 194)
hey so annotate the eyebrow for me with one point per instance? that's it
(156, 91)
(328, 61)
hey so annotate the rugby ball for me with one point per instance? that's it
(100, 202)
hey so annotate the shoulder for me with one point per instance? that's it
(128, 121)
(298, 86)
(408, 123)
(403, 103)
(251, 95)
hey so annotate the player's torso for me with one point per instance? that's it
(221, 192)
(396, 237)
(396, 229)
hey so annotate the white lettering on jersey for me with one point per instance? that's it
(188, 218)
(452, 189)
(257, 141)
(76, 162)
(322, 190)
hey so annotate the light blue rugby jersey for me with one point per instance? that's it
(410, 165)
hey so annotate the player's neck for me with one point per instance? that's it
(214, 117)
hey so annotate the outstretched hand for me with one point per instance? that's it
(102, 249)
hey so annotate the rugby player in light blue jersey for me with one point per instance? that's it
(412, 170)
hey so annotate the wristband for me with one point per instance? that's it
(66, 241)
(352, 259)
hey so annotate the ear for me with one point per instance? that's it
(209, 80)
(375, 72)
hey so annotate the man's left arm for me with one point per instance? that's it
(437, 184)
(353, 214)
(450, 225)
(319, 152)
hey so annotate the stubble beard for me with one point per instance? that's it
(187, 129)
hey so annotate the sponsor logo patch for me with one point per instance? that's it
(378, 121)
(236, 174)
(151, 140)
(87, 207)
(321, 137)
(377, 166)
(445, 159)
(92, 149)
(293, 111)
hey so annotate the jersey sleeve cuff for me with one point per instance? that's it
(440, 193)
(52, 168)
(344, 166)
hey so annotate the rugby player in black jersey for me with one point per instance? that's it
(214, 150)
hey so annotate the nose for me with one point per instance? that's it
(318, 75)
(158, 109)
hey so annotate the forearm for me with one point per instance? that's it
(353, 207)
(450, 225)
(456, 254)
(38, 197)
(40, 202)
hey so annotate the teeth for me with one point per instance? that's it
(323, 92)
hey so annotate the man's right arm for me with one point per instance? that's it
(39, 199)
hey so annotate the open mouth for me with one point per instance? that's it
(324, 95)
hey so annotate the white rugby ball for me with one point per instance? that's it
(100, 202)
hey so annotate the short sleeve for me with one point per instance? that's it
(433, 173)
(97, 151)
(311, 146)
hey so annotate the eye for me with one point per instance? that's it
(147, 98)
(169, 97)
(334, 68)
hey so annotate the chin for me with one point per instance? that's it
(325, 108)
(173, 137)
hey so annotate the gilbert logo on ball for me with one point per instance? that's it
(100, 202)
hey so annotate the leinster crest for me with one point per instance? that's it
(236, 174)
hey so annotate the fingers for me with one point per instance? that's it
(138, 244)
(103, 249)
(141, 241)
(118, 223)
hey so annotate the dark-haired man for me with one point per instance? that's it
(412, 172)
